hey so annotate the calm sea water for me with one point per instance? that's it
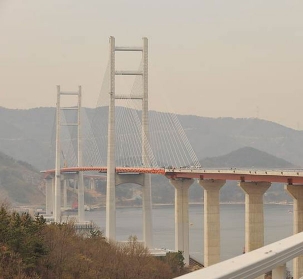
(278, 225)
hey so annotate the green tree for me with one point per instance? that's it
(21, 243)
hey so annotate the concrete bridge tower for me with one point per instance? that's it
(58, 176)
(112, 178)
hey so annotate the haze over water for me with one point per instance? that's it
(278, 225)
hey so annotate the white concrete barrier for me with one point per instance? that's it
(255, 263)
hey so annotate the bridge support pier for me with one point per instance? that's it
(110, 211)
(144, 180)
(81, 217)
(75, 184)
(279, 272)
(296, 191)
(211, 220)
(49, 196)
(147, 211)
(65, 193)
(92, 184)
(182, 216)
(254, 214)
(53, 196)
(57, 206)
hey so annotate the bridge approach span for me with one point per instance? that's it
(281, 176)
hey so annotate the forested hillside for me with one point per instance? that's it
(31, 249)
(20, 183)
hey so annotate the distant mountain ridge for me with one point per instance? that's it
(26, 135)
(247, 157)
(212, 137)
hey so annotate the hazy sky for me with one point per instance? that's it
(210, 58)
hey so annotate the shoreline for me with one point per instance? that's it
(198, 203)
(232, 203)
(33, 208)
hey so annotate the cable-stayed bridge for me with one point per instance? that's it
(124, 140)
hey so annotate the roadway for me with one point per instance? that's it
(289, 176)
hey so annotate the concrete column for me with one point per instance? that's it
(145, 123)
(49, 196)
(111, 164)
(65, 193)
(53, 195)
(146, 194)
(279, 272)
(296, 191)
(75, 185)
(147, 212)
(182, 216)
(92, 183)
(81, 217)
(211, 220)
(57, 207)
(254, 214)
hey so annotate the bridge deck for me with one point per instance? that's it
(281, 176)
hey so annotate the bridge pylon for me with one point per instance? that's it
(111, 165)
(59, 124)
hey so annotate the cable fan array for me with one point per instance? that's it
(166, 143)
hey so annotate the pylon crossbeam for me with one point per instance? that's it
(128, 48)
(128, 73)
(125, 97)
(69, 124)
(69, 93)
(68, 108)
